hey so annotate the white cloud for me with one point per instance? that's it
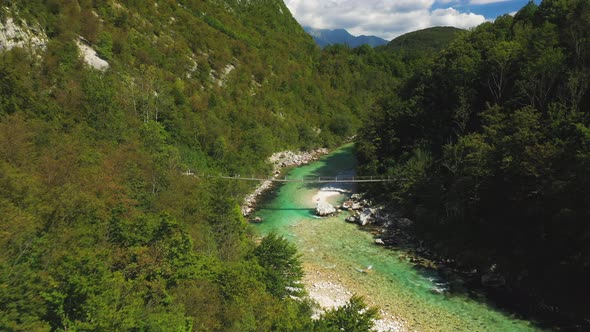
(384, 18)
(452, 17)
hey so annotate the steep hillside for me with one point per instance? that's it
(104, 105)
(491, 146)
(326, 37)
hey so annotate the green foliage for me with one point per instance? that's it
(423, 42)
(353, 316)
(281, 264)
(99, 228)
(526, 13)
(489, 144)
(16, 91)
(104, 45)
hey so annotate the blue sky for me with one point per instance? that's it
(391, 18)
(489, 9)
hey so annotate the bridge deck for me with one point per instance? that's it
(321, 179)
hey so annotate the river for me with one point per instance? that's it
(335, 252)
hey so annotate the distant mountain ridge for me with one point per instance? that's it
(326, 37)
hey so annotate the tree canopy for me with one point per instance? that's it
(489, 144)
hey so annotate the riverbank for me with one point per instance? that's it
(486, 283)
(330, 288)
(340, 259)
(280, 161)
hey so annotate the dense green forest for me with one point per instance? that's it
(490, 144)
(99, 229)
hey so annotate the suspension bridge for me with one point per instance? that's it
(306, 179)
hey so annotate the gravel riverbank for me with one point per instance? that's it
(280, 160)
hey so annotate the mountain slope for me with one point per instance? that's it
(430, 40)
(491, 143)
(99, 228)
(326, 37)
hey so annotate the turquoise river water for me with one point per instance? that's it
(334, 252)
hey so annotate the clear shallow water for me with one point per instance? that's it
(338, 250)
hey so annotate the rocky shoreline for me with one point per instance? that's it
(279, 161)
(388, 228)
(328, 291)
(392, 230)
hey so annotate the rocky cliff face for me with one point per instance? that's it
(15, 32)
(90, 56)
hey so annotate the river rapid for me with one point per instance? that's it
(339, 259)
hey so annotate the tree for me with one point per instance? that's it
(501, 58)
(504, 117)
(281, 265)
(354, 316)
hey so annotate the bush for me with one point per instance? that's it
(354, 316)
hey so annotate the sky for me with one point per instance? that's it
(390, 18)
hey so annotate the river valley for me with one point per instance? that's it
(340, 259)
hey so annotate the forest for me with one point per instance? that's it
(489, 144)
(99, 228)
(101, 231)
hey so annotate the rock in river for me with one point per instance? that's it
(324, 209)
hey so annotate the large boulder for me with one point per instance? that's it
(356, 196)
(324, 209)
(351, 219)
(347, 205)
(247, 211)
(365, 217)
